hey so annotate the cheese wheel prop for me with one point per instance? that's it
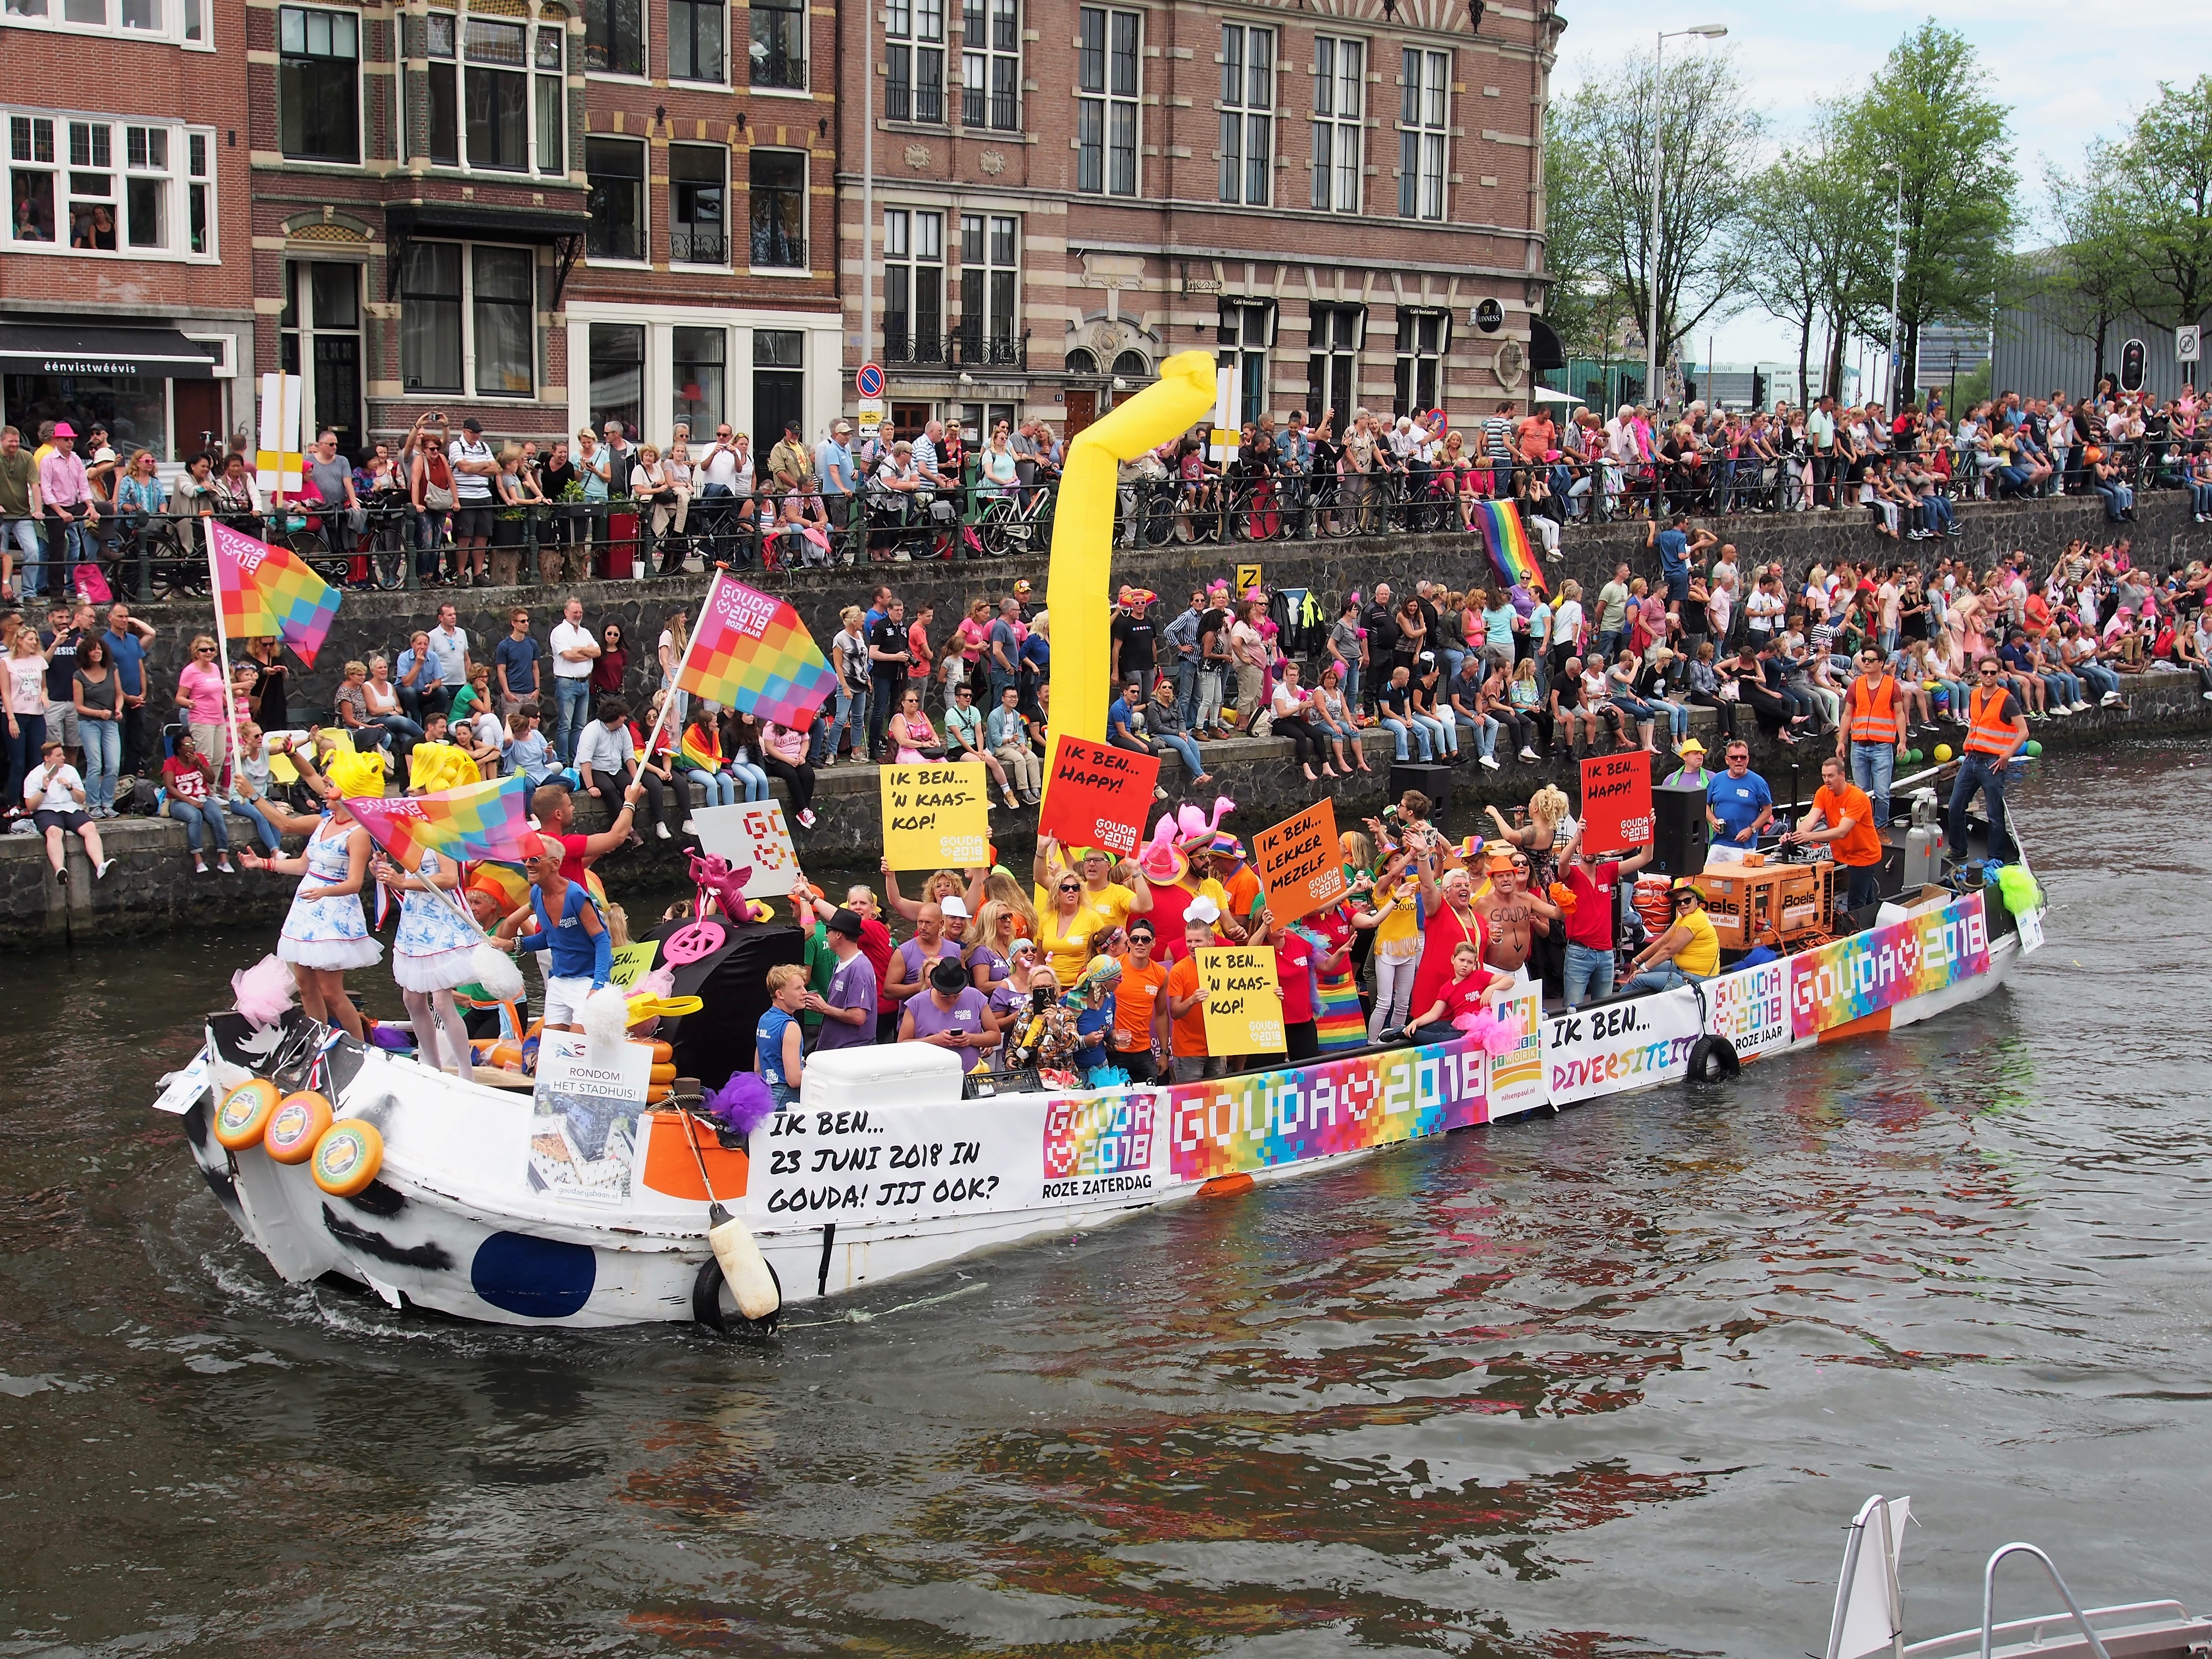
(347, 1157)
(296, 1126)
(244, 1116)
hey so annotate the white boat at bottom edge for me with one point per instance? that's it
(886, 1170)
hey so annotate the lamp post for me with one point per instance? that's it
(868, 183)
(1707, 31)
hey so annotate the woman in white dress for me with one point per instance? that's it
(326, 932)
(431, 954)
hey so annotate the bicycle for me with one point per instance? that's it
(1005, 526)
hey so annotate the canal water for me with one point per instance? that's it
(1611, 1383)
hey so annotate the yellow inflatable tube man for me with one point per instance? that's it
(1082, 565)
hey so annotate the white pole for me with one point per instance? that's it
(676, 678)
(1658, 141)
(222, 653)
(867, 178)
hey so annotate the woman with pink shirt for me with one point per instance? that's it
(783, 754)
(204, 699)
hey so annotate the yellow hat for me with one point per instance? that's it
(1689, 746)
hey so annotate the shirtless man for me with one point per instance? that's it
(1513, 916)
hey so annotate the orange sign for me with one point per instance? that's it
(1299, 864)
(1097, 795)
(1616, 801)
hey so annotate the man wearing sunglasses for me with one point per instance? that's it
(1996, 725)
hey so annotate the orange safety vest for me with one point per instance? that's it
(1987, 733)
(1874, 720)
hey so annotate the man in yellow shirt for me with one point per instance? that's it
(1688, 951)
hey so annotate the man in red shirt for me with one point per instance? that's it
(1591, 881)
(1294, 981)
(556, 812)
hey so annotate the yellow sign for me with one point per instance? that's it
(1248, 577)
(633, 962)
(936, 816)
(1243, 1006)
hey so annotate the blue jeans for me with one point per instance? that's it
(1678, 716)
(199, 818)
(1664, 976)
(1183, 747)
(103, 759)
(852, 721)
(1442, 739)
(24, 533)
(2103, 679)
(718, 789)
(754, 779)
(1873, 765)
(1588, 973)
(1979, 773)
(572, 701)
(1186, 679)
(263, 830)
(1486, 737)
(2065, 687)
(1398, 729)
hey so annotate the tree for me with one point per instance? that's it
(1582, 299)
(1817, 243)
(1708, 137)
(2096, 274)
(1929, 114)
(2164, 168)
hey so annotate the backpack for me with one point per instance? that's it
(92, 587)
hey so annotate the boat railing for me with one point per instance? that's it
(2073, 1608)
(2033, 1632)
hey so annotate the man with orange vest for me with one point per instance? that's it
(1996, 725)
(1871, 737)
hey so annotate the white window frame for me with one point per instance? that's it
(1340, 78)
(1332, 356)
(644, 259)
(721, 76)
(1425, 135)
(806, 214)
(916, 27)
(174, 173)
(909, 233)
(729, 228)
(540, 83)
(1108, 105)
(984, 63)
(644, 77)
(1251, 316)
(806, 47)
(186, 23)
(360, 89)
(988, 227)
(469, 387)
(1247, 109)
(1407, 360)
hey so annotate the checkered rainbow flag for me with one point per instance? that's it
(753, 653)
(262, 589)
(476, 821)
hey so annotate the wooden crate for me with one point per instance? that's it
(1746, 899)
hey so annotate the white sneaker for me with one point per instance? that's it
(688, 827)
(99, 871)
(2110, 698)
(1529, 755)
(661, 830)
(2078, 707)
(1489, 761)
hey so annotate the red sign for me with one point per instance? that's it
(1616, 801)
(1097, 795)
(1299, 864)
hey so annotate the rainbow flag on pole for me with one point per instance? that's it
(262, 589)
(476, 821)
(753, 653)
(1508, 542)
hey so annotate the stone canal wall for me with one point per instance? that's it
(152, 888)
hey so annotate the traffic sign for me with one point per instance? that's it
(2188, 342)
(869, 382)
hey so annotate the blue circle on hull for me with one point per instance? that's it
(537, 1277)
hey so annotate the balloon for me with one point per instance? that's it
(2034, 747)
(1942, 753)
(1076, 584)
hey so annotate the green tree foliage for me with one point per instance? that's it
(1583, 299)
(2164, 173)
(1817, 243)
(2097, 274)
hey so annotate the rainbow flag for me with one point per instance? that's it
(1509, 544)
(476, 821)
(753, 653)
(262, 589)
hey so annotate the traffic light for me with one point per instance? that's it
(2131, 366)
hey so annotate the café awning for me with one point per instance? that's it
(151, 354)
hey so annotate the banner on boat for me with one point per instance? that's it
(1630, 1045)
(583, 1129)
(1875, 971)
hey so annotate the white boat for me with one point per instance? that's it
(1869, 1613)
(886, 1170)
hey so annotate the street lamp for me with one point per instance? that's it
(1705, 31)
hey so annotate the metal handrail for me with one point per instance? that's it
(1989, 1597)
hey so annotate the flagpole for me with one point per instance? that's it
(222, 656)
(676, 678)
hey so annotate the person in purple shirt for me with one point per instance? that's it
(950, 1014)
(848, 1006)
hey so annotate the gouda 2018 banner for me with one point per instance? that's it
(1884, 966)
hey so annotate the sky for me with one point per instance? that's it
(2071, 72)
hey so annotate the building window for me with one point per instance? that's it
(497, 88)
(914, 286)
(318, 84)
(1424, 337)
(1106, 79)
(700, 360)
(321, 327)
(134, 19)
(779, 378)
(778, 187)
(614, 37)
(916, 35)
(467, 319)
(990, 65)
(1339, 102)
(440, 44)
(987, 285)
(617, 369)
(552, 152)
(698, 187)
(1421, 134)
(1246, 330)
(1334, 335)
(778, 44)
(615, 168)
(110, 187)
(695, 40)
(1248, 121)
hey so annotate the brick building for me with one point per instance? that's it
(125, 293)
(539, 213)
(1063, 194)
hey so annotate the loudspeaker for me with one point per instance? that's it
(1432, 781)
(1679, 830)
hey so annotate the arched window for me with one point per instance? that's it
(1131, 365)
(1081, 361)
